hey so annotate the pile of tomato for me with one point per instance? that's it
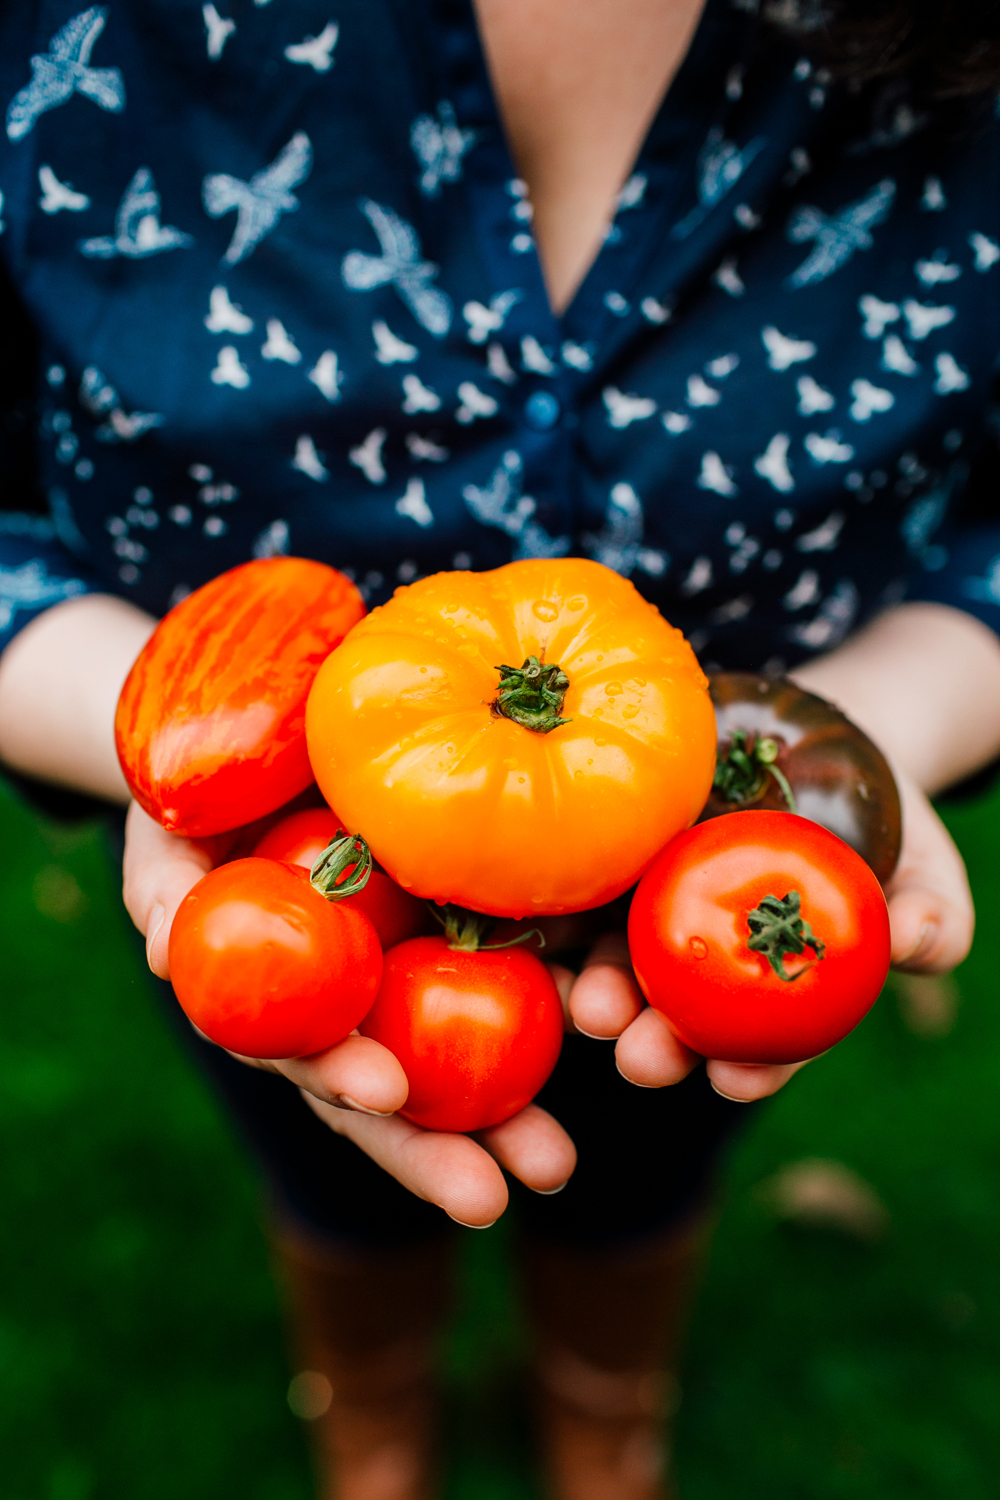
(517, 744)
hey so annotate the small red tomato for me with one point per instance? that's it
(477, 1033)
(210, 726)
(266, 966)
(760, 937)
(300, 840)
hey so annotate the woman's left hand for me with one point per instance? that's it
(931, 920)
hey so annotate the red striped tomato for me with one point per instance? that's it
(210, 723)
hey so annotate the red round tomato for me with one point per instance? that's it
(300, 840)
(477, 1033)
(760, 937)
(266, 966)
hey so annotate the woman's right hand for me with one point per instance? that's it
(357, 1086)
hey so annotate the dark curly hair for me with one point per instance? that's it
(948, 50)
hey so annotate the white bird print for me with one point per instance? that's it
(498, 365)
(272, 541)
(419, 397)
(625, 409)
(812, 396)
(230, 370)
(63, 71)
(655, 312)
(308, 461)
(721, 164)
(805, 591)
(896, 358)
(746, 218)
(986, 251)
(400, 266)
(869, 399)
(413, 504)
(225, 316)
(99, 397)
(676, 422)
(367, 456)
(260, 202)
(783, 351)
(219, 30)
(577, 356)
(316, 51)
(950, 375)
(728, 278)
(772, 464)
(534, 357)
(832, 620)
(326, 375)
(700, 393)
(280, 345)
(930, 272)
(58, 195)
(837, 236)
(439, 146)
(827, 449)
(633, 192)
(483, 321)
(138, 231)
(715, 475)
(500, 502)
(877, 315)
(699, 577)
(618, 545)
(31, 587)
(924, 318)
(825, 536)
(933, 199)
(474, 403)
(390, 350)
(720, 368)
(425, 450)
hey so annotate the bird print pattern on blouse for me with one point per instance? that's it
(291, 303)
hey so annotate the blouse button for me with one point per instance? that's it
(542, 410)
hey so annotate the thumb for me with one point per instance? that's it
(931, 914)
(159, 870)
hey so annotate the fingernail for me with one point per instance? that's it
(344, 1101)
(632, 1081)
(550, 1192)
(156, 920)
(731, 1097)
(921, 942)
(592, 1035)
(470, 1226)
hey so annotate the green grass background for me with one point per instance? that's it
(140, 1344)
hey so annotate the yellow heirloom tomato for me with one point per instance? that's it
(519, 741)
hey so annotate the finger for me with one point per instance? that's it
(564, 979)
(159, 870)
(358, 1073)
(605, 998)
(744, 1082)
(534, 1148)
(449, 1170)
(650, 1055)
(931, 915)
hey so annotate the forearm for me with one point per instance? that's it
(924, 681)
(59, 684)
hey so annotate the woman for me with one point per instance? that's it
(707, 295)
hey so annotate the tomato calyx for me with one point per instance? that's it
(343, 868)
(777, 929)
(465, 930)
(743, 766)
(532, 695)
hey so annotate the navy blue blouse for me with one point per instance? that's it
(283, 278)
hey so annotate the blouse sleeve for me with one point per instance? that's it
(960, 564)
(37, 568)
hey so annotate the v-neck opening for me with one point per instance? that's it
(471, 93)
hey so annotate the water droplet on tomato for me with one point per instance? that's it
(543, 609)
(699, 947)
(521, 780)
(639, 682)
(630, 710)
(451, 609)
(423, 669)
(590, 761)
(600, 743)
(613, 689)
(577, 603)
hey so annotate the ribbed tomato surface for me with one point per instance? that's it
(210, 723)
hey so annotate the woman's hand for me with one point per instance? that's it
(356, 1086)
(931, 921)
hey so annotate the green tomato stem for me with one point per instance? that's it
(777, 929)
(532, 695)
(343, 868)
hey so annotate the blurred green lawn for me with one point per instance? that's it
(140, 1346)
